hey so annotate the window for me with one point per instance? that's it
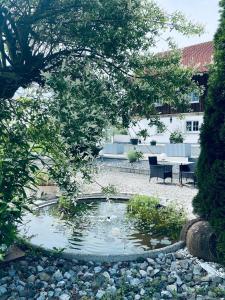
(194, 97)
(195, 126)
(188, 126)
(192, 126)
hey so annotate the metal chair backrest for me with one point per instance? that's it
(193, 159)
(152, 160)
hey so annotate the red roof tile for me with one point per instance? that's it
(199, 56)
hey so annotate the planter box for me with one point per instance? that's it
(180, 150)
(116, 148)
(134, 141)
(146, 148)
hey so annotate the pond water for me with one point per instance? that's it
(95, 227)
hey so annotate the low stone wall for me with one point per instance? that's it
(121, 148)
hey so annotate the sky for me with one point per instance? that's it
(205, 12)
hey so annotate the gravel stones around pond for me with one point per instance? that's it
(172, 276)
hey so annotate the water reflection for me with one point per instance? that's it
(95, 227)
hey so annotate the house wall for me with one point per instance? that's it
(172, 122)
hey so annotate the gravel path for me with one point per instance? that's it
(170, 276)
(139, 184)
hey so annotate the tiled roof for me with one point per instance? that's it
(199, 56)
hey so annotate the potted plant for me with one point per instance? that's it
(176, 137)
(153, 143)
(176, 147)
(134, 141)
(134, 155)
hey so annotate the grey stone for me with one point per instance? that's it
(184, 264)
(172, 288)
(179, 255)
(61, 283)
(142, 292)
(106, 275)
(44, 276)
(40, 268)
(31, 278)
(20, 288)
(50, 294)
(57, 275)
(67, 275)
(155, 272)
(161, 255)
(197, 270)
(3, 290)
(112, 290)
(179, 282)
(134, 281)
(188, 277)
(64, 297)
(97, 269)
(143, 273)
(166, 295)
(151, 261)
(57, 292)
(88, 275)
(112, 271)
(149, 269)
(100, 294)
(144, 265)
(41, 297)
(12, 272)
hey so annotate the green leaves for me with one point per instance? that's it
(210, 200)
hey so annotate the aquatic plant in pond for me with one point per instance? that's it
(160, 220)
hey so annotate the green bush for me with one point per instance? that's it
(134, 155)
(210, 200)
(166, 220)
(176, 137)
(43, 179)
(153, 143)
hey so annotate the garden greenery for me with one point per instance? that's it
(93, 67)
(161, 220)
(210, 200)
(176, 137)
(134, 155)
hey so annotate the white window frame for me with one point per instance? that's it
(192, 126)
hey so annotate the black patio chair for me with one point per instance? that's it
(159, 171)
(187, 171)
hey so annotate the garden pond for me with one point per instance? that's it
(94, 227)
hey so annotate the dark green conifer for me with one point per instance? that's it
(210, 200)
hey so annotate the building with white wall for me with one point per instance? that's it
(188, 123)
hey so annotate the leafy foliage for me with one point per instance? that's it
(93, 62)
(134, 155)
(166, 220)
(210, 200)
(176, 137)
